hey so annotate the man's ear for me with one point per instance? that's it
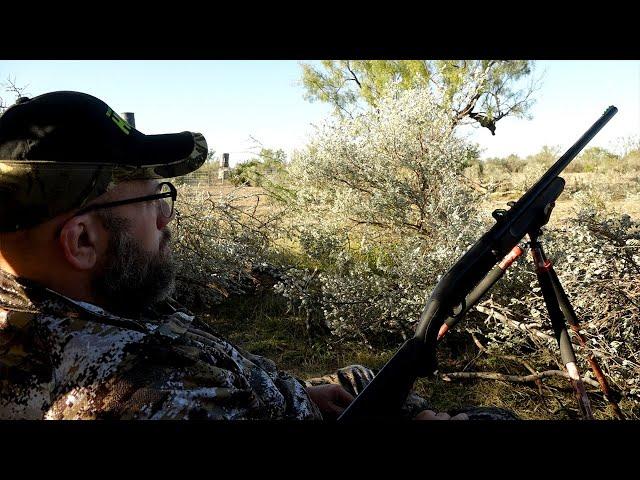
(79, 239)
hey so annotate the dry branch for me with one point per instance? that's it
(511, 378)
(519, 325)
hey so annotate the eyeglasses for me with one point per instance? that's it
(166, 198)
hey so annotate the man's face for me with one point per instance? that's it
(137, 269)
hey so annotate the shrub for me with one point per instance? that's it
(597, 258)
(259, 171)
(382, 208)
(218, 244)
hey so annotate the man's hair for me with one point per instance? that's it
(112, 223)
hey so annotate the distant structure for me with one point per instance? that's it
(130, 118)
(223, 171)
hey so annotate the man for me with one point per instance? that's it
(87, 327)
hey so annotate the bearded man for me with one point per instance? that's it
(88, 329)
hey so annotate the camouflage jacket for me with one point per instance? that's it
(63, 359)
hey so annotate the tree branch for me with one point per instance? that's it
(447, 377)
(354, 76)
(518, 325)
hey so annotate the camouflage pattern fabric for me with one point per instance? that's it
(33, 191)
(355, 378)
(61, 359)
(64, 359)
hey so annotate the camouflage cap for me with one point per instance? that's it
(60, 150)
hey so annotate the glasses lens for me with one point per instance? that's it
(166, 204)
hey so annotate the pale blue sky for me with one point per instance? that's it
(229, 101)
(573, 95)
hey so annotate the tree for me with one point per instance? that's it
(477, 91)
(547, 155)
(398, 167)
(11, 87)
(274, 156)
(626, 145)
(380, 206)
(255, 171)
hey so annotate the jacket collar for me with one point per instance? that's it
(24, 295)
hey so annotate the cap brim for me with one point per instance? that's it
(169, 155)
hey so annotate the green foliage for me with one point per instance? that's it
(257, 172)
(212, 246)
(247, 173)
(482, 91)
(370, 214)
(626, 146)
(381, 208)
(511, 164)
(594, 159)
(545, 157)
(596, 171)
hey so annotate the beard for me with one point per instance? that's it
(133, 279)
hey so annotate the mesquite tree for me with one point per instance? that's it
(380, 204)
(472, 91)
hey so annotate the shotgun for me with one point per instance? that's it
(462, 286)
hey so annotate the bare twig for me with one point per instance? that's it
(518, 325)
(511, 378)
(513, 358)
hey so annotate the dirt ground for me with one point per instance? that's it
(565, 207)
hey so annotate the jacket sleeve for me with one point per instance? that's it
(153, 377)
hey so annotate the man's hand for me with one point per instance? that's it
(331, 399)
(431, 415)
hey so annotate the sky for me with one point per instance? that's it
(572, 96)
(237, 104)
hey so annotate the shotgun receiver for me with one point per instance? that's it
(457, 291)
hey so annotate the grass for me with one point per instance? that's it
(262, 325)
